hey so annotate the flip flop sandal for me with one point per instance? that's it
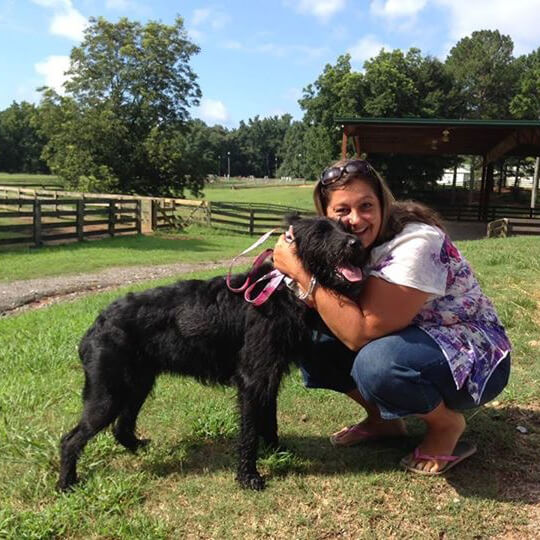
(462, 451)
(360, 436)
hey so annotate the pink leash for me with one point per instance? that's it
(275, 276)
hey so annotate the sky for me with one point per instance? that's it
(256, 55)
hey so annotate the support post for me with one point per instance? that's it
(38, 240)
(251, 221)
(344, 145)
(80, 220)
(112, 217)
(534, 185)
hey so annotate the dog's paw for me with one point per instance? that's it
(63, 486)
(251, 481)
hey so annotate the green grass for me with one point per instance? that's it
(197, 245)
(26, 178)
(294, 196)
(183, 484)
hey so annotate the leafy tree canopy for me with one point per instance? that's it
(127, 98)
(20, 142)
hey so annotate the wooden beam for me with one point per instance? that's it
(344, 145)
(356, 140)
(503, 147)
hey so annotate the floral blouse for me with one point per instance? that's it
(457, 315)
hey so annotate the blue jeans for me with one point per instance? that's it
(403, 374)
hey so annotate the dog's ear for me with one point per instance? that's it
(292, 218)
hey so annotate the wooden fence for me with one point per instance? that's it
(40, 221)
(42, 216)
(473, 212)
(513, 226)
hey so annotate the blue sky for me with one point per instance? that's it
(256, 56)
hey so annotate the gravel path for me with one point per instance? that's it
(16, 296)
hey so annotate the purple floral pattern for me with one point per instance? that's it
(459, 317)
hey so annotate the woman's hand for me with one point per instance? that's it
(286, 259)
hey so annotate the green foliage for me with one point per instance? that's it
(393, 84)
(123, 124)
(485, 72)
(20, 142)
(526, 103)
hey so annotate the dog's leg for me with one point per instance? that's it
(267, 419)
(124, 429)
(98, 413)
(247, 475)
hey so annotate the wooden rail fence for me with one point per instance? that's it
(42, 216)
(40, 221)
(513, 226)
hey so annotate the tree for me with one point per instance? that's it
(127, 97)
(338, 91)
(485, 73)
(20, 143)
(526, 103)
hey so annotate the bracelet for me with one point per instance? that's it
(309, 292)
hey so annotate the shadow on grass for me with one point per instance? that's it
(506, 467)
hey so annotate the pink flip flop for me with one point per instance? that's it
(462, 451)
(359, 435)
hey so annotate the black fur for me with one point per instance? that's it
(201, 328)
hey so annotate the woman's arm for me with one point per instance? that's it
(382, 308)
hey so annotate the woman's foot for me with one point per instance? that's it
(444, 428)
(368, 430)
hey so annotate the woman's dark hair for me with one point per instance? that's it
(394, 214)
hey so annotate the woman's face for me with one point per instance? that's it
(357, 206)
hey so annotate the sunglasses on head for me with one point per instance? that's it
(333, 174)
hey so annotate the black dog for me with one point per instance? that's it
(201, 328)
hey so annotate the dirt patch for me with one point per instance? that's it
(16, 296)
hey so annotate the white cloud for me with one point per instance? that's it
(397, 8)
(53, 70)
(213, 111)
(322, 9)
(366, 48)
(66, 20)
(70, 24)
(214, 18)
(518, 18)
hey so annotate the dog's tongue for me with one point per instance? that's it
(351, 273)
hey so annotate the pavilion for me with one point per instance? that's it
(493, 140)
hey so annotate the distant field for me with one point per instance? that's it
(26, 179)
(297, 196)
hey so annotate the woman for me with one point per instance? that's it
(425, 339)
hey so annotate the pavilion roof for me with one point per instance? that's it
(493, 139)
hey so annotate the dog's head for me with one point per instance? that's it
(333, 255)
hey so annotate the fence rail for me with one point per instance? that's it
(41, 216)
(513, 226)
(41, 221)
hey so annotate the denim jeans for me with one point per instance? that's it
(403, 374)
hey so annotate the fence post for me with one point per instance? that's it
(138, 216)
(251, 221)
(208, 213)
(112, 217)
(80, 220)
(37, 223)
(154, 214)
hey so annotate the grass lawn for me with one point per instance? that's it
(183, 486)
(197, 245)
(294, 196)
(24, 178)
